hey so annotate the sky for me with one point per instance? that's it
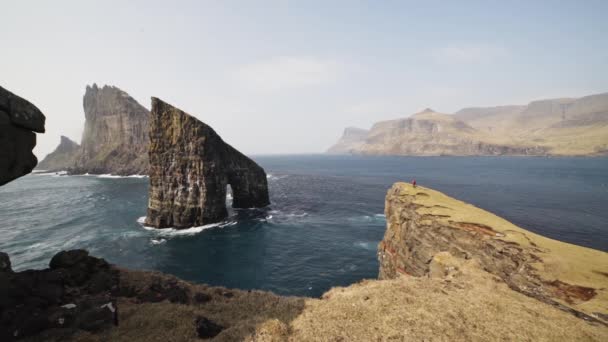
(286, 77)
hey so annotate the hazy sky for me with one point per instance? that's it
(286, 76)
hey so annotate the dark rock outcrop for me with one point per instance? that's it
(62, 158)
(19, 119)
(115, 137)
(75, 293)
(190, 168)
(205, 328)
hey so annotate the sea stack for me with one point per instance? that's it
(63, 156)
(115, 137)
(190, 168)
(19, 119)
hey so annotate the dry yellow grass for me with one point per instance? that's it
(472, 306)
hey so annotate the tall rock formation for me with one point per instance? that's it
(350, 141)
(62, 158)
(19, 119)
(190, 168)
(428, 232)
(115, 137)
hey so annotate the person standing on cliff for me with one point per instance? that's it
(414, 182)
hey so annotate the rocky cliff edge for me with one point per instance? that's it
(422, 223)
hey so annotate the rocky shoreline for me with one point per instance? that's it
(448, 271)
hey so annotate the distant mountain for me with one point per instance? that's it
(563, 126)
(115, 137)
(62, 158)
(350, 141)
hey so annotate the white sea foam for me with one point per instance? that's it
(368, 218)
(169, 232)
(157, 241)
(55, 174)
(270, 176)
(117, 176)
(366, 245)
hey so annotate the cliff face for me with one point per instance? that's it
(62, 158)
(190, 168)
(576, 126)
(115, 137)
(350, 141)
(422, 223)
(432, 133)
(19, 119)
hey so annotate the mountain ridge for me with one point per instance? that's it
(559, 126)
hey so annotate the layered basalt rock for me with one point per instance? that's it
(421, 223)
(190, 168)
(19, 119)
(62, 158)
(115, 137)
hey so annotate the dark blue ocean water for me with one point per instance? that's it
(322, 228)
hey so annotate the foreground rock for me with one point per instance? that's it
(19, 119)
(62, 158)
(115, 137)
(73, 294)
(422, 223)
(190, 168)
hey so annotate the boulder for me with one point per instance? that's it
(205, 328)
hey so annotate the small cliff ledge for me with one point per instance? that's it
(425, 227)
(63, 156)
(19, 119)
(190, 168)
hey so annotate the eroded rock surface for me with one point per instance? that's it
(19, 119)
(423, 223)
(190, 168)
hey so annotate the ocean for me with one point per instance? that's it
(321, 230)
